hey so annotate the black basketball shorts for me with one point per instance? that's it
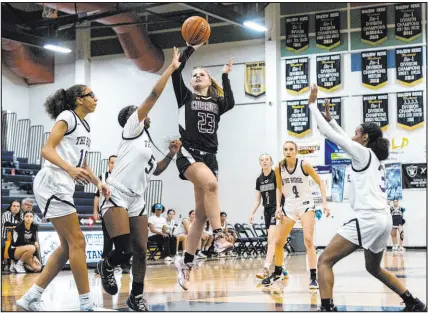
(397, 221)
(270, 219)
(188, 156)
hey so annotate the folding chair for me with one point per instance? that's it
(262, 235)
(257, 242)
(152, 249)
(245, 244)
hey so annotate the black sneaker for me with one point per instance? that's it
(418, 306)
(324, 309)
(107, 277)
(96, 270)
(137, 303)
(271, 279)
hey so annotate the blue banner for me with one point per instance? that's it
(334, 155)
(393, 182)
(337, 183)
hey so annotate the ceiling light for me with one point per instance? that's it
(255, 26)
(57, 48)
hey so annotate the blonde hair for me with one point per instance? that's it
(282, 162)
(214, 90)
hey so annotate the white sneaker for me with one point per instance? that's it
(394, 248)
(12, 267)
(168, 259)
(183, 271)
(31, 304)
(402, 249)
(221, 244)
(94, 308)
(19, 268)
(201, 255)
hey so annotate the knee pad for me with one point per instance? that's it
(122, 249)
(402, 235)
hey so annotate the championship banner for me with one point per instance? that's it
(415, 176)
(347, 183)
(334, 155)
(408, 65)
(338, 183)
(335, 107)
(410, 110)
(49, 241)
(255, 79)
(393, 182)
(325, 175)
(408, 19)
(298, 122)
(327, 30)
(297, 75)
(309, 151)
(373, 25)
(374, 72)
(375, 109)
(328, 73)
(297, 33)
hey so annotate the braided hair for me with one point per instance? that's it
(124, 114)
(63, 100)
(378, 144)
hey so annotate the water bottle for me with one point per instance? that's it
(318, 214)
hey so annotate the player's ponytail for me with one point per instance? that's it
(215, 90)
(63, 100)
(376, 142)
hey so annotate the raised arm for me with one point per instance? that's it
(157, 90)
(228, 101)
(330, 119)
(180, 89)
(359, 153)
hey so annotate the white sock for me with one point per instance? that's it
(267, 265)
(85, 299)
(20, 263)
(35, 291)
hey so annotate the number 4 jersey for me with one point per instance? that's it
(135, 162)
(295, 184)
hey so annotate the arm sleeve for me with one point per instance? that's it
(257, 185)
(68, 118)
(359, 153)
(337, 127)
(182, 93)
(133, 126)
(227, 102)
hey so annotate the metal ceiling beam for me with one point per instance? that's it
(27, 39)
(217, 11)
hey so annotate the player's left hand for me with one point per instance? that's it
(314, 94)
(174, 146)
(104, 189)
(325, 210)
(228, 67)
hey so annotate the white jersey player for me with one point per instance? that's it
(372, 224)
(65, 152)
(125, 213)
(292, 182)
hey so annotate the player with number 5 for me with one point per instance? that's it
(199, 117)
(372, 224)
(292, 181)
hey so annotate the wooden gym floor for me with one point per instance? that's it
(229, 284)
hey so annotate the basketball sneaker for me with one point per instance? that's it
(418, 306)
(137, 303)
(200, 255)
(107, 277)
(324, 309)
(272, 279)
(31, 304)
(401, 249)
(263, 273)
(221, 244)
(183, 271)
(313, 284)
(19, 268)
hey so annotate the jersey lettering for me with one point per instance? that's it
(151, 164)
(83, 140)
(206, 123)
(382, 185)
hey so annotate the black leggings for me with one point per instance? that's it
(108, 243)
(167, 245)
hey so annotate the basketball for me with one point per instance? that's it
(195, 30)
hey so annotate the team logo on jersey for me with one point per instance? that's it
(412, 171)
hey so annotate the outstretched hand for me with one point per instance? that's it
(327, 112)
(196, 47)
(175, 63)
(174, 146)
(314, 94)
(228, 67)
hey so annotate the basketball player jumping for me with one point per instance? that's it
(266, 191)
(125, 213)
(65, 152)
(292, 177)
(199, 116)
(372, 224)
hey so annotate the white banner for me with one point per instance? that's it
(49, 241)
(309, 151)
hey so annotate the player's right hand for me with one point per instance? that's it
(278, 213)
(251, 219)
(327, 112)
(80, 175)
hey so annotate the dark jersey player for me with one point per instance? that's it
(266, 191)
(199, 117)
(397, 224)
